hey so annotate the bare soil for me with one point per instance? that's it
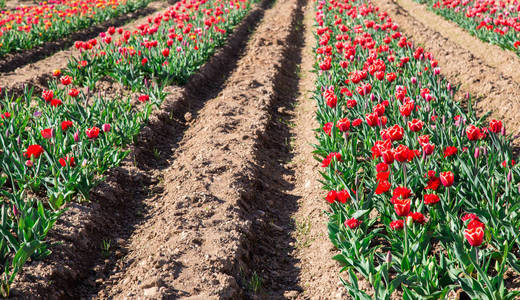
(492, 80)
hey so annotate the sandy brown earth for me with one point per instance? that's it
(493, 80)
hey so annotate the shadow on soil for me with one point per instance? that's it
(273, 270)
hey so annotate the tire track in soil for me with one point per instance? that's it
(78, 268)
(197, 240)
(493, 86)
(33, 67)
(291, 253)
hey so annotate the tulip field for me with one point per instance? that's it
(420, 191)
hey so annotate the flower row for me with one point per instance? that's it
(423, 194)
(495, 22)
(30, 26)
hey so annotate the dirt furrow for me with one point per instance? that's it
(505, 61)
(291, 253)
(196, 237)
(488, 75)
(34, 67)
(91, 238)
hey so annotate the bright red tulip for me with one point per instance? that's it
(447, 178)
(402, 207)
(92, 133)
(33, 151)
(352, 223)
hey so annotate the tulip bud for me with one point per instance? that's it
(7, 133)
(388, 257)
(409, 221)
(18, 140)
(414, 80)
(509, 176)
(84, 163)
(503, 131)
(467, 96)
(477, 152)
(436, 71)
(106, 127)
(76, 136)
(449, 86)
(29, 163)
(443, 119)
(15, 210)
(372, 97)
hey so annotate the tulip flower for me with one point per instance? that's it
(447, 178)
(352, 223)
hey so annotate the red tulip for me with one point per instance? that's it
(383, 186)
(47, 133)
(474, 236)
(331, 196)
(401, 153)
(166, 52)
(397, 224)
(66, 80)
(33, 151)
(428, 148)
(415, 125)
(469, 217)
(417, 217)
(372, 119)
(328, 128)
(402, 207)
(357, 122)
(343, 124)
(449, 151)
(474, 133)
(56, 102)
(379, 109)
(447, 178)
(391, 77)
(92, 133)
(396, 132)
(495, 126)
(352, 223)
(73, 93)
(48, 95)
(407, 108)
(388, 156)
(430, 199)
(343, 196)
(65, 125)
(64, 160)
(144, 98)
